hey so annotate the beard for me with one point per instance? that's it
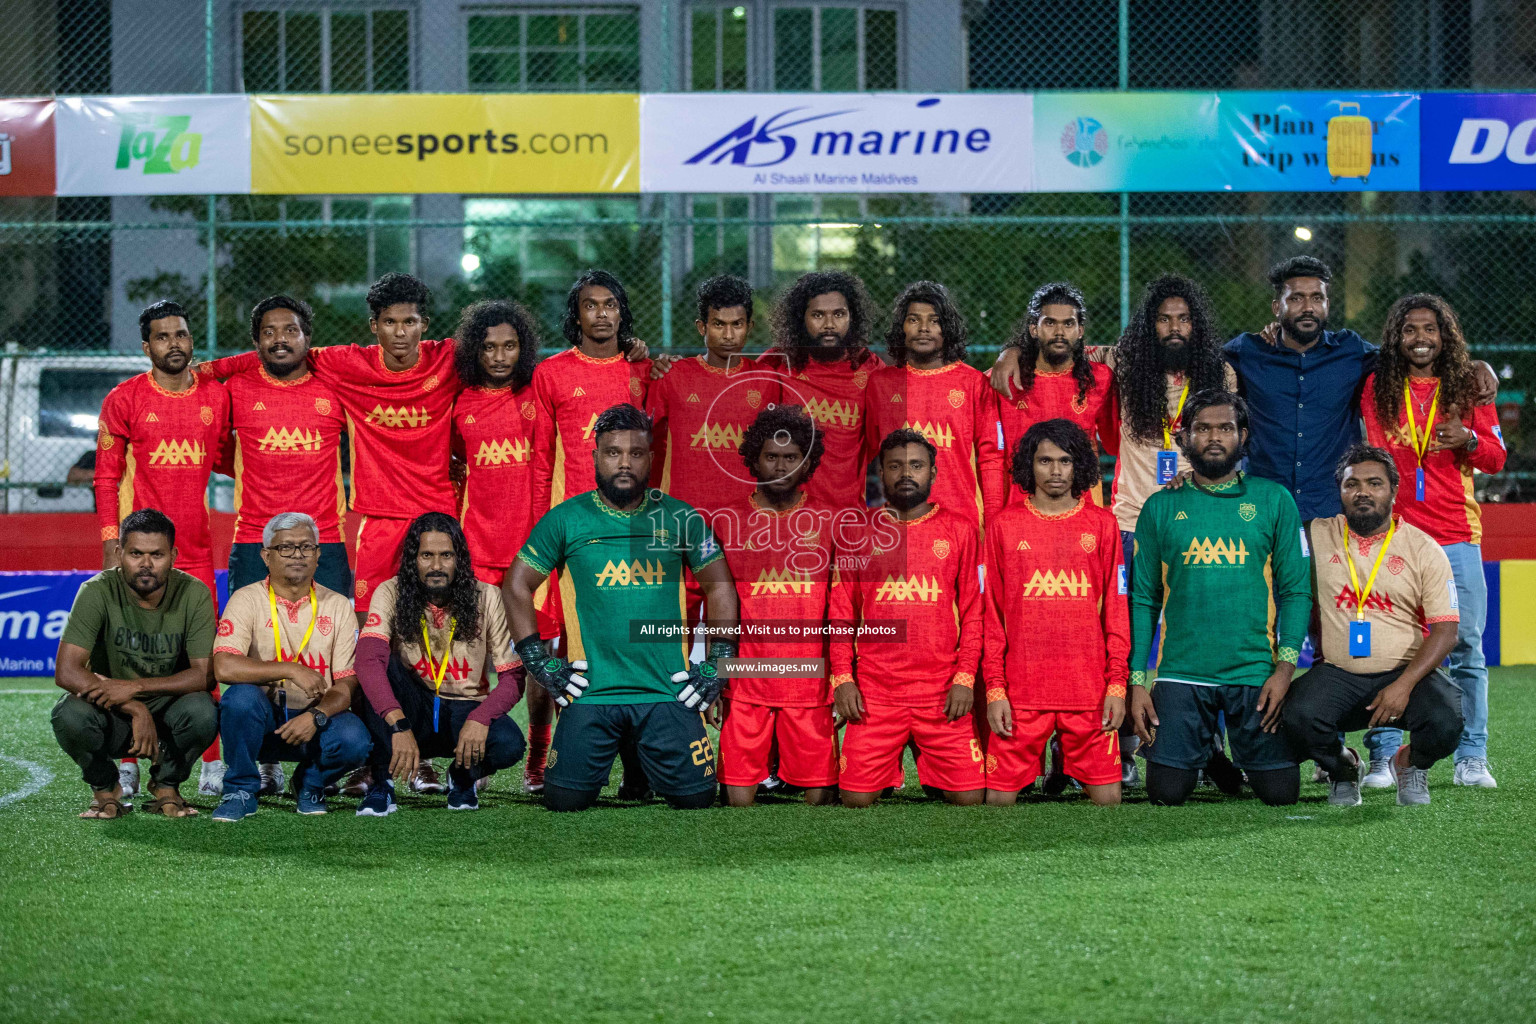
(618, 494)
(437, 595)
(1212, 469)
(908, 500)
(1057, 357)
(145, 584)
(1305, 335)
(822, 353)
(1366, 522)
(1176, 357)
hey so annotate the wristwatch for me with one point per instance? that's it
(1471, 444)
(402, 724)
(321, 719)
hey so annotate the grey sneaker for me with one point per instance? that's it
(272, 779)
(128, 778)
(210, 780)
(1318, 775)
(1412, 786)
(1381, 775)
(1344, 785)
(1473, 771)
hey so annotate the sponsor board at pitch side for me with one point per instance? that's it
(152, 145)
(836, 142)
(1478, 142)
(473, 143)
(26, 147)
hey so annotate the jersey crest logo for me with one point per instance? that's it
(693, 397)
(941, 548)
(206, 415)
(226, 628)
(259, 407)
(1023, 546)
(1396, 565)
(500, 453)
(1062, 583)
(716, 435)
(1181, 515)
(530, 410)
(578, 393)
(910, 588)
(1247, 510)
(1079, 405)
(430, 383)
(408, 416)
(177, 453)
(834, 413)
(754, 399)
(324, 625)
(860, 379)
(281, 439)
(940, 435)
(1217, 552)
(896, 396)
(1089, 542)
(323, 406)
(780, 581)
(361, 589)
(632, 574)
(104, 439)
(956, 398)
(635, 387)
(151, 418)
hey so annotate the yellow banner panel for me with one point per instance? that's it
(484, 142)
(1517, 608)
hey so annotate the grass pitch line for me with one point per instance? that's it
(20, 692)
(37, 778)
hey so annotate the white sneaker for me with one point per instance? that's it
(1345, 792)
(1473, 771)
(272, 779)
(1382, 774)
(128, 778)
(427, 779)
(1412, 786)
(210, 781)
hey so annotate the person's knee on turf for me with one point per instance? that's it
(692, 801)
(558, 798)
(1280, 787)
(1169, 787)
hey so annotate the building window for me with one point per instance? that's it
(560, 50)
(325, 49)
(830, 48)
(717, 48)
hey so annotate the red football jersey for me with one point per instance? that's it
(1054, 396)
(493, 435)
(833, 394)
(782, 563)
(397, 423)
(701, 413)
(925, 574)
(571, 390)
(955, 408)
(286, 455)
(155, 449)
(1449, 513)
(1057, 629)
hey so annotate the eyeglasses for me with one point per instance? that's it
(295, 550)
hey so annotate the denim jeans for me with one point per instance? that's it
(1469, 669)
(247, 724)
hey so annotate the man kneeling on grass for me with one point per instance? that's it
(1377, 666)
(434, 637)
(285, 655)
(135, 660)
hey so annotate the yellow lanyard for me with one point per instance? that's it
(442, 668)
(1354, 577)
(1420, 445)
(277, 637)
(1168, 423)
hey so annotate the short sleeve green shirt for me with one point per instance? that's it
(621, 577)
(128, 641)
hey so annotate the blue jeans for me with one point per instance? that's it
(1469, 669)
(247, 721)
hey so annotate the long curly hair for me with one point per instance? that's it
(1067, 436)
(951, 322)
(463, 591)
(1458, 378)
(793, 421)
(570, 324)
(475, 322)
(789, 335)
(1057, 293)
(1139, 375)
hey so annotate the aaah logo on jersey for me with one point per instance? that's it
(1221, 551)
(281, 439)
(834, 414)
(781, 581)
(1063, 583)
(632, 574)
(910, 588)
(716, 436)
(940, 435)
(178, 453)
(500, 453)
(408, 416)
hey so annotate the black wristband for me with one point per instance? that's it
(532, 649)
(718, 649)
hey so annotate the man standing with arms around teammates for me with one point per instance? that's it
(619, 552)
(922, 578)
(1217, 558)
(1376, 666)
(1057, 632)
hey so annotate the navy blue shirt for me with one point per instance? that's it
(1303, 411)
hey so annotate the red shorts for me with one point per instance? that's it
(548, 615)
(1091, 755)
(378, 555)
(806, 738)
(205, 573)
(948, 754)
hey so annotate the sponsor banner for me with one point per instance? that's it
(836, 142)
(1478, 142)
(153, 145)
(488, 142)
(26, 148)
(1229, 141)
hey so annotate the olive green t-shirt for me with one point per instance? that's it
(128, 641)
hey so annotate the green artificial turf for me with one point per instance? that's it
(1223, 910)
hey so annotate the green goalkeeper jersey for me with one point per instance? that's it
(1227, 569)
(622, 589)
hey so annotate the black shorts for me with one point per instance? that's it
(1186, 716)
(674, 748)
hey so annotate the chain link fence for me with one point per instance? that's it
(78, 269)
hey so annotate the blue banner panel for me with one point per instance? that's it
(1475, 142)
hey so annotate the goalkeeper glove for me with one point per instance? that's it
(702, 683)
(561, 679)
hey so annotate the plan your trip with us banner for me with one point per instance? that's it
(496, 143)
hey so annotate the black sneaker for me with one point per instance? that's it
(461, 791)
(1223, 774)
(379, 801)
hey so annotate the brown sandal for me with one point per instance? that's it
(160, 803)
(113, 804)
